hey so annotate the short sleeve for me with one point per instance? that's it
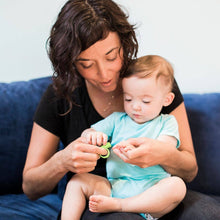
(106, 125)
(170, 127)
(46, 114)
(178, 99)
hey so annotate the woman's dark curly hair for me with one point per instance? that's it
(80, 24)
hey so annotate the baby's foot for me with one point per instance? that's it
(100, 203)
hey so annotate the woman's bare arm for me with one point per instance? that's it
(45, 166)
(183, 161)
(42, 170)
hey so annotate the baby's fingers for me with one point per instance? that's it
(88, 138)
(97, 138)
(101, 139)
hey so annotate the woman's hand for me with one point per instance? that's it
(80, 157)
(45, 167)
(143, 152)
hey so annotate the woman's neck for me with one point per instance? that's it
(106, 103)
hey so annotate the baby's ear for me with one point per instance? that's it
(168, 99)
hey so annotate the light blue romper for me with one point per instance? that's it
(128, 180)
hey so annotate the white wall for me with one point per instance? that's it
(24, 29)
(187, 33)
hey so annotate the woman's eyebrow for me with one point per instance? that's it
(111, 50)
(84, 59)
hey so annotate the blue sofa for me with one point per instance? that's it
(18, 101)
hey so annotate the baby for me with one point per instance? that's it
(147, 87)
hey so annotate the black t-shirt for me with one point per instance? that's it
(68, 127)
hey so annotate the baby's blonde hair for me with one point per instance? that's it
(152, 65)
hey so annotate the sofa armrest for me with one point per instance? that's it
(204, 117)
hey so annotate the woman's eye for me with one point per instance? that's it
(113, 55)
(112, 59)
(86, 66)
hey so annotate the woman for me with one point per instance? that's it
(90, 46)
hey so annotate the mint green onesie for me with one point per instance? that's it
(128, 180)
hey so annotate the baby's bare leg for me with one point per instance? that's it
(157, 200)
(78, 190)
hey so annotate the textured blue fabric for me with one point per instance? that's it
(18, 101)
(204, 117)
(19, 207)
(196, 206)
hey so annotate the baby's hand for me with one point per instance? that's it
(123, 147)
(123, 150)
(95, 137)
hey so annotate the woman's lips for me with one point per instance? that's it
(107, 83)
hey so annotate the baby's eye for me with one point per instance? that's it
(146, 101)
(127, 100)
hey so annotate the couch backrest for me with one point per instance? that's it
(204, 117)
(18, 101)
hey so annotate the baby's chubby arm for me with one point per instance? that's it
(95, 137)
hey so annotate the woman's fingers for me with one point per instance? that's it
(80, 157)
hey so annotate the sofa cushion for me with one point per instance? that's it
(18, 101)
(19, 207)
(204, 117)
(195, 206)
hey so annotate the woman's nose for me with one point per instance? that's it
(102, 70)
